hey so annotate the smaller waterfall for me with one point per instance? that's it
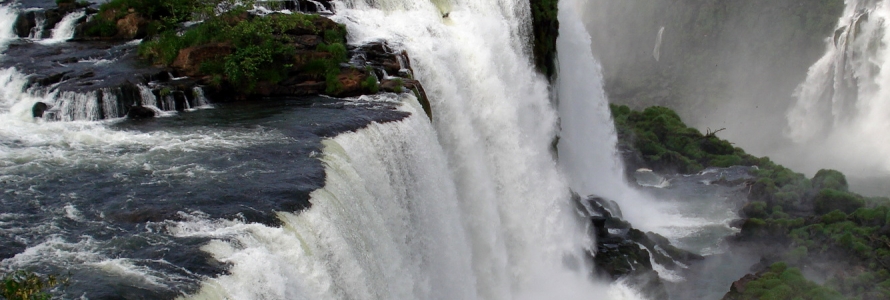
(200, 99)
(72, 106)
(656, 52)
(37, 31)
(65, 29)
(16, 100)
(8, 16)
(319, 7)
(111, 108)
(587, 145)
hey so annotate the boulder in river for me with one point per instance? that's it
(140, 112)
(38, 109)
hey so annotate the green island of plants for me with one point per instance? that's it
(804, 222)
(249, 49)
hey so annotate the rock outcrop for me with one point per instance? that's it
(38, 109)
(628, 253)
(140, 112)
(189, 60)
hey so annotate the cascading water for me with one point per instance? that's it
(8, 16)
(65, 29)
(475, 209)
(587, 144)
(37, 32)
(841, 113)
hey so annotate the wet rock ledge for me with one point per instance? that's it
(626, 253)
(126, 61)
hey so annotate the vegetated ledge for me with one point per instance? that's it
(238, 55)
(799, 225)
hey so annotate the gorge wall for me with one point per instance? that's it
(732, 64)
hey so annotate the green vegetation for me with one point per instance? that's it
(252, 47)
(371, 83)
(249, 49)
(159, 15)
(22, 285)
(781, 282)
(668, 145)
(545, 26)
(400, 85)
(804, 220)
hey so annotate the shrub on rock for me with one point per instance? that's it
(830, 179)
(828, 200)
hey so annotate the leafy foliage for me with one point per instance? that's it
(668, 145)
(371, 83)
(781, 282)
(23, 285)
(259, 43)
(161, 15)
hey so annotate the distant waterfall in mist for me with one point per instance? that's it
(842, 110)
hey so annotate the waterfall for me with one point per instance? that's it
(840, 115)
(472, 206)
(37, 32)
(587, 144)
(65, 29)
(8, 17)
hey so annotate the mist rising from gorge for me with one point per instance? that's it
(725, 64)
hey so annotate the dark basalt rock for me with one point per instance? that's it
(24, 23)
(140, 112)
(625, 252)
(38, 109)
(51, 79)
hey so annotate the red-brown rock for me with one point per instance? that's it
(189, 60)
(131, 26)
